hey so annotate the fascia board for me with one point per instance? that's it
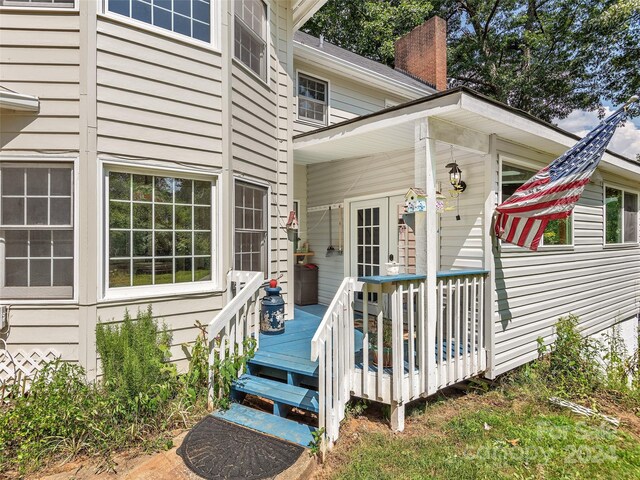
(335, 64)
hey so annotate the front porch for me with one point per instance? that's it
(384, 349)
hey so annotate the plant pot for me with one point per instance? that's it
(387, 357)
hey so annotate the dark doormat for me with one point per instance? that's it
(216, 449)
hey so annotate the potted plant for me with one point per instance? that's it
(387, 345)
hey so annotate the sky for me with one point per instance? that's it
(625, 141)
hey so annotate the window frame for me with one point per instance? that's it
(623, 190)
(73, 163)
(529, 165)
(316, 78)
(214, 24)
(41, 7)
(160, 290)
(266, 61)
(267, 212)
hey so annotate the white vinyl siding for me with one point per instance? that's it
(36, 224)
(250, 32)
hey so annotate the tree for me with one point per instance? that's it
(547, 57)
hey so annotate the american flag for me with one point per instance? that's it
(552, 193)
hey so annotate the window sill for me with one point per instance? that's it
(40, 9)
(541, 249)
(160, 32)
(616, 246)
(157, 291)
(264, 82)
(311, 123)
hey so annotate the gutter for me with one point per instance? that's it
(19, 101)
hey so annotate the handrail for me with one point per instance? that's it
(232, 308)
(238, 321)
(460, 273)
(325, 320)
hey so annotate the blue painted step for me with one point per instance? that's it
(289, 430)
(302, 366)
(279, 393)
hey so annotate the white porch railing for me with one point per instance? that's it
(333, 347)
(419, 356)
(237, 321)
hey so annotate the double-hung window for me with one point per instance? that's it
(312, 99)
(38, 3)
(251, 228)
(621, 216)
(191, 18)
(250, 35)
(36, 231)
(159, 229)
(558, 232)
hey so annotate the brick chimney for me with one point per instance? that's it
(422, 53)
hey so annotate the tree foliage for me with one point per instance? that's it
(547, 57)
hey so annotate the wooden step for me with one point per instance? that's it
(279, 427)
(288, 363)
(280, 393)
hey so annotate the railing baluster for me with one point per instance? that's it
(424, 363)
(411, 345)
(449, 331)
(482, 360)
(474, 300)
(365, 341)
(380, 333)
(466, 352)
(440, 337)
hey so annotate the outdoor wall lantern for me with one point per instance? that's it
(455, 177)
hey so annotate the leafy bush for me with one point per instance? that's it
(226, 370)
(133, 356)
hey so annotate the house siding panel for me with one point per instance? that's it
(600, 284)
(40, 56)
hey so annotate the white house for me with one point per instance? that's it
(151, 153)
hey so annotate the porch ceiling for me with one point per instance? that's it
(471, 114)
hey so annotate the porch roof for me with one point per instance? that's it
(462, 116)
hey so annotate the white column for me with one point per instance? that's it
(426, 231)
(491, 201)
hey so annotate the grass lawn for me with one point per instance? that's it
(503, 433)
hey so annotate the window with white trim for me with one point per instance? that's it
(558, 232)
(38, 3)
(191, 18)
(36, 230)
(312, 99)
(159, 229)
(251, 227)
(621, 216)
(250, 35)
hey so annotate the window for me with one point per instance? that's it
(312, 99)
(250, 32)
(38, 3)
(191, 18)
(558, 232)
(160, 230)
(621, 216)
(251, 228)
(36, 224)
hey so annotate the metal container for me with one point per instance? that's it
(272, 312)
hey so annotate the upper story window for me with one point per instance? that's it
(250, 35)
(38, 3)
(312, 99)
(36, 230)
(621, 216)
(159, 230)
(558, 232)
(191, 18)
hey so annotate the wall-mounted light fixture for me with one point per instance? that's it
(455, 177)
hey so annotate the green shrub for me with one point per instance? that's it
(133, 357)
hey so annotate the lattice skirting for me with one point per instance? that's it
(20, 366)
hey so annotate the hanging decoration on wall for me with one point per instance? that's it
(292, 222)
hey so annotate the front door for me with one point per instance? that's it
(379, 235)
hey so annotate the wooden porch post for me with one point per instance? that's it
(426, 232)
